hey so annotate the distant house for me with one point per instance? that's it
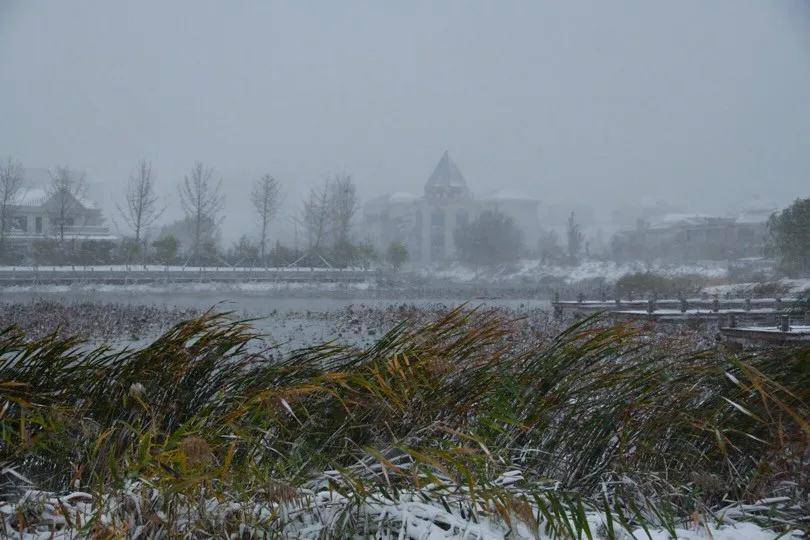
(35, 215)
(693, 237)
(426, 224)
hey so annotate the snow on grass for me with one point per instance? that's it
(310, 514)
(791, 287)
(610, 271)
(525, 270)
(190, 287)
(741, 531)
(163, 268)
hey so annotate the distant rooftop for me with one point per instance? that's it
(756, 215)
(446, 174)
(34, 196)
(36, 185)
(679, 219)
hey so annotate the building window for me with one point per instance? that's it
(462, 219)
(20, 223)
(38, 224)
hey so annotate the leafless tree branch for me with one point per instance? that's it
(11, 183)
(141, 209)
(202, 201)
(266, 198)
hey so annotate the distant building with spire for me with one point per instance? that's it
(447, 183)
(426, 224)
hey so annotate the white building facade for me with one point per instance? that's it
(33, 216)
(426, 224)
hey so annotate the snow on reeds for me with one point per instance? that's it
(436, 431)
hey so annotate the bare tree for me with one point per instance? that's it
(266, 198)
(141, 210)
(202, 201)
(64, 194)
(316, 216)
(343, 206)
(11, 183)
(575, 239)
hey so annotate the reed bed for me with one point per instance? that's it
(438, 430)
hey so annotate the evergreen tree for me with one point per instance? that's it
(790, 237)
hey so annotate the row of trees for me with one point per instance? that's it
(493, 238)
(326, 218)
(11, 185)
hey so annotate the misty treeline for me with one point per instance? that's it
(326, 219)
(325, 225)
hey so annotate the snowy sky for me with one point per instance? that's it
(703, 103)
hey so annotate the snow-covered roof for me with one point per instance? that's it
(36, 189)
(680, 219)
(32, 197)
(746, 216)
(755, 215)
(37, 196)
(446, 174)
(87, 203)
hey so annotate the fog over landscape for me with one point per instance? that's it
(703, 105)
(422, 270)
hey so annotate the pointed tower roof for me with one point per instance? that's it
(446, 174)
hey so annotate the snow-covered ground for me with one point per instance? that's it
(610, 271)
(316, 511)
(525, 272)
(792, 287)
(795, 329)
(191, 287)
(162, 268)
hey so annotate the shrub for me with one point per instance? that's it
(770, 289)
(166, 249)
(790, 234)
(397, 255)
(648, 283)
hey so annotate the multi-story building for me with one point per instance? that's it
(426, 225)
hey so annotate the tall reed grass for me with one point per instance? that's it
(596, 431)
